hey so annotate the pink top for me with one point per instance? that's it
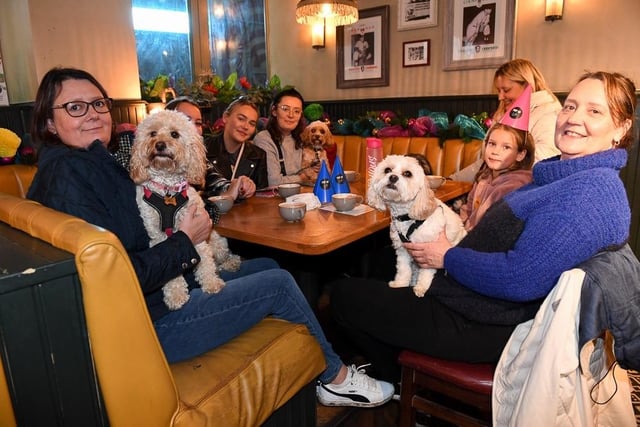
(487, 191)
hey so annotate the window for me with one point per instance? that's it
(173, 39)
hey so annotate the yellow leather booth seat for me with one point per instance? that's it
(238, 384)
(455, 154)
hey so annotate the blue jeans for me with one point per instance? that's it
(259, 289)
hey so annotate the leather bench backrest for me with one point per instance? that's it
(456, 154)
(134, 376)
(16, 179)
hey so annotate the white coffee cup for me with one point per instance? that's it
(286, 190)
(345, 201)
(292, 211)
(351, 176)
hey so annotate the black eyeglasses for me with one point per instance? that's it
(80, 108)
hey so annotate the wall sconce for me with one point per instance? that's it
(553, 10)
(317, 35)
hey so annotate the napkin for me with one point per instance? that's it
(310, 199)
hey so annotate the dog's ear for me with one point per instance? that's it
(138, 170)
(197, 161)
(373, 198)
(328, 139)
(305, 135)
(424, 203)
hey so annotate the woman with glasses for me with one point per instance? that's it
(79, 176)
(282, 142)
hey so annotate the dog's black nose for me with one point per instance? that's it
(393, 179)
(161, 146)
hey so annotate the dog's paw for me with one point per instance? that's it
(175, 300)
(398, 284)
(231, 263)
(419, 291)
(214, 285)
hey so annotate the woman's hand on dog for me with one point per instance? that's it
(430, 254)
(310, 173)
(196, 224)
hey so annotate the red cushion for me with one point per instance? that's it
(475, 377)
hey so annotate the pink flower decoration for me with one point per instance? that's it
(386, 116)
(422, 126)
(218, 125)
(395, 130)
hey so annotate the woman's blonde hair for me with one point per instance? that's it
(523, 72)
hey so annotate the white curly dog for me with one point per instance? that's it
(400, 184)
(167, 158)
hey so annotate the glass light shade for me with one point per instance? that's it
(553, 10)
(317, 35)
(343, 12)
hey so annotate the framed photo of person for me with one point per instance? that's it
(362, 50)
(478, 34)
(416, 53)
(414, 14)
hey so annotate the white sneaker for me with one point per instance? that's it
(358, 389)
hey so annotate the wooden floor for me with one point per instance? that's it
(386, 415)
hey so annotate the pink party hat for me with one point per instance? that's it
(518, 114)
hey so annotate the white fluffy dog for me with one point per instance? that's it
(399, 183)
(316, 138)
(167, 157)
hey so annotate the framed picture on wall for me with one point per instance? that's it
(417, 14)
(362, 50)
(415, 53)
(478, 34)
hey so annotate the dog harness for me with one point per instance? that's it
(413, 227)
(167, 206)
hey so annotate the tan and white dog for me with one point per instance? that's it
(316, 140)
(400, 185)
(167, 158)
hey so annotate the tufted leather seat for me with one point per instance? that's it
(453, 391)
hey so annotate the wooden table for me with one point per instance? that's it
(258, 221)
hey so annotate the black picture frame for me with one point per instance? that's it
(362, 50)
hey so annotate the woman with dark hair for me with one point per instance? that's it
(282, 142)
(77, 175)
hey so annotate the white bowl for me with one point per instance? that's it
(223, 203)
(292, 211)
(435, 181)
(286, 190)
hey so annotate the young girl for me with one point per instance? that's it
(508, 158)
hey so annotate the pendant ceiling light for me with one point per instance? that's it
(343, 12)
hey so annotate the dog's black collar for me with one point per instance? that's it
(404, 217)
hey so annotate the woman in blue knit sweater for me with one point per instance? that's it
(499, 274)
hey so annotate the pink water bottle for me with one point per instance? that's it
(374, 156)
